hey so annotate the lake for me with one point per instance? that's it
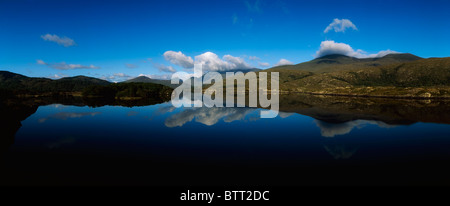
(314, 141)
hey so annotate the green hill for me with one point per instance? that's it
(20, 84)
(394, 75)
(129, 91)
(15, 84)
(420, 78)
(337, 62)
(144, 79)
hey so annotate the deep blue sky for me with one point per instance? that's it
(111, 34)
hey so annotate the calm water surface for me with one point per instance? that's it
(163, 145)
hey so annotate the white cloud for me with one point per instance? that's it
(40, 62)
(131, 66)
(157, 76)
(164, 68)
(340, 25)
(285, 114)
(57, 76)
(179, 59)
(283, 62)
(64, 41)
(381, 53)
(263, 64)
(331, 47)
(116, 77)
(211, 62)
(237, 62)
(208, 116)
(254, 58)
(65, 66)
(121, 75)
(68, 115)
(331, 129)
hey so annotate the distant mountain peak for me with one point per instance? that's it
(7, 74)
(143, 79)
(403, 56)
(336, 62)
(335, 56)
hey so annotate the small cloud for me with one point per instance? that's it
(68, 115)
(164, 68)
(65, 66)
(121, 75)
(157, 76)
(333, 129)
(131, 66)
(57, 76)
(340, 25)
(238, 63)
(283, 62)
(211, 62)
(208, 116)
(382, 53)
(285, 114)
(40, 62)
(254, 6)
(254, 58)
(234, 18)
(116, 77)
(331, 47)
(64, 41)
(179, 59)
(263, 64)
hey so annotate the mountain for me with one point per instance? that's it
(421, 78)
(20, 83)
(394, 75)
(77, 83)
(337, 62)
(15, 84)
(144, 79)
(240, 70)
(31, 85)
(141, 79)
(129, 91)
(5, 75)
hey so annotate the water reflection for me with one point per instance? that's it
(332, 129)
(208, 116)
(68, 115)
(147, 140)
(61, 142)
(340, 150)
(336, 109)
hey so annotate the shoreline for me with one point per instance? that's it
(27, 96)
(369, 96)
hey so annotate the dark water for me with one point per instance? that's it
(314, 141)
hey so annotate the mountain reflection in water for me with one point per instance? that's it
(313, 135)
